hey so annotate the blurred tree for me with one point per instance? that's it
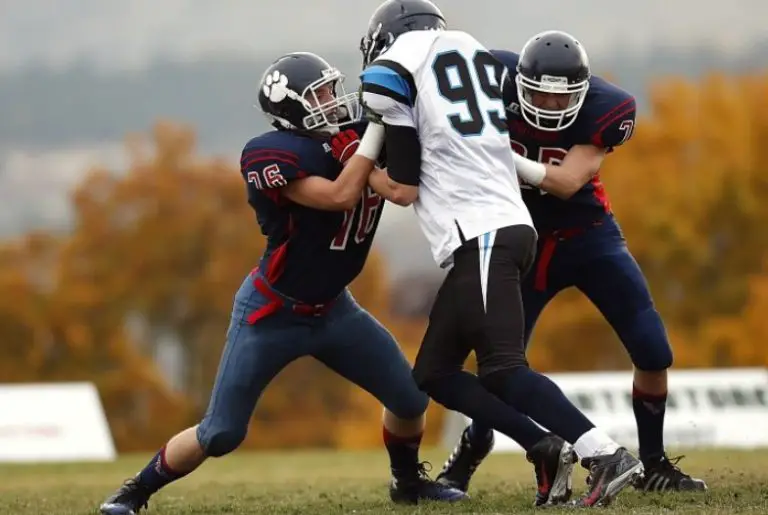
(166, 244)
(734, 341)
(47, 336)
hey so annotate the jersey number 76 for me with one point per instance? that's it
(475, 84)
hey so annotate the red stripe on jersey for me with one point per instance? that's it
(598, 191)
(277, 259)
(610, 113)
(274, 302)
(272, 158)
(285, 156)
(597, 140)
(542, 270)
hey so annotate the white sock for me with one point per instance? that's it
(595, 442)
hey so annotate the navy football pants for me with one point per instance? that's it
(597, 262)
(345, 338)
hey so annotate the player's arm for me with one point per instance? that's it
(578, 167)
(399, 182)
(345, 191)
(388, 93)
(283, 173)
(583, 161)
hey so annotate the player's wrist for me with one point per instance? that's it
(532, 172)
(371, 142)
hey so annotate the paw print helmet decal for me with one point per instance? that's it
(302, 91)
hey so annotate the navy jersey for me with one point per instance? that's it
(311, 255)
(606, 120)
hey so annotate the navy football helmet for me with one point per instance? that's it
(396, 17)
(552, 62)
(302, 91)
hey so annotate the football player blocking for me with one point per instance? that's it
(308, 182)
(562, 123)
(440, 96)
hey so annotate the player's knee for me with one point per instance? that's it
(510, 359)
(411, 406)
(217, 441)
(442, 389)
(408, 401)
(647, 343)
(422, 377)
(497, 381)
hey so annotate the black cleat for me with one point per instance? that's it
(609, 474)
(464, 460)
(663, 475)
(129, 499)
(553, 460)
(412, 486)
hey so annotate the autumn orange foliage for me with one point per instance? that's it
(157, 251)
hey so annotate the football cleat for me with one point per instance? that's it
(412, 486)
(129, 499)
(609, 474)
(464, 460)
(663, 475)
(553, 460)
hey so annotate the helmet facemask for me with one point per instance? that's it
(550, 120)
(327, 117)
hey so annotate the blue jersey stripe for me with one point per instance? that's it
(388, 79)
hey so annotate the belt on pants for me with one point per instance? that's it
(276, 301)
(550, 240)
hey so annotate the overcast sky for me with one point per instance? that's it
(131, 32)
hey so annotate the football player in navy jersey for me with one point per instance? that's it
(563, 121)
(307, 180)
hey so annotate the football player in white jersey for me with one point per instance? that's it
(438, 93)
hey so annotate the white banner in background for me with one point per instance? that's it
(51, 422)
(726, 408)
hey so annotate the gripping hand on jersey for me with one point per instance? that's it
(371, 115)
(344, 144)
(368, 113)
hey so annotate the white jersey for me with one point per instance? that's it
(448, 86)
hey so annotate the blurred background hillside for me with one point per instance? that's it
(126, 231)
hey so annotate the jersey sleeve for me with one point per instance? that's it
(270, 168)
(269, 165)
(388, 92)
(614, 125)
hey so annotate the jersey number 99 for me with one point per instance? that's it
(457, 82)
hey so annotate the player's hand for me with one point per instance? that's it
(371, 115)
(368, 113)
(344, 144)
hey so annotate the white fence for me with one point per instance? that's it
(716, 408)
(53, 422)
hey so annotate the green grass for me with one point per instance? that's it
(328, 482)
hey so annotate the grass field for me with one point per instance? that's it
(328, 482)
